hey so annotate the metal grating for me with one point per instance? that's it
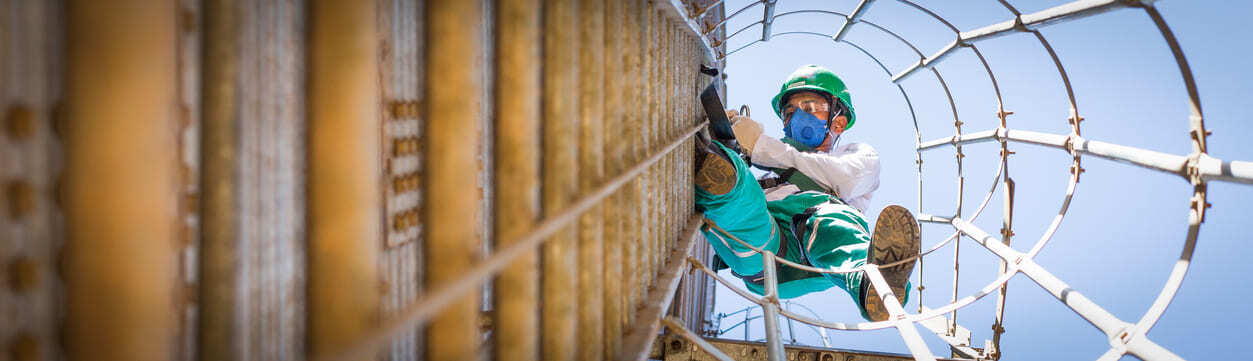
(400, 36)
(30, 165)
(252, 279)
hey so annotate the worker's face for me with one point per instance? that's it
(815, 104)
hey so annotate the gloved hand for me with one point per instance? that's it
(746, 130)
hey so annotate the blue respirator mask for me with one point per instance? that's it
(806, 128)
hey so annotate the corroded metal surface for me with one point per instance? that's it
(591, 168)
(121, 204)
(453, 85)
(615, 163)
(695, 304)
(517, 153)
(633, 93)
(345, 177)
(31, 232)
(400, 58)
(248, 152)
(187, 116)
(560, 178)
(253, 234)
(636, 340)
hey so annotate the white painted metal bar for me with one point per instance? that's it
(1177, 273)
(1140, 346)
(770, 308)
(1196, 120)
(1068, 11)
(897, 316)
(851, 19)
(747, 296)
(1090, 311)
(927, 61)
(1024, 22)
(976, 137)
(1236, 171)
(959, 340)
(928, 218)
(1209, 168)
(1117, 330)
(737, 32)
(1196, 214)
(728, 17)
(864, 326)
(676, 325)
(1112, 355)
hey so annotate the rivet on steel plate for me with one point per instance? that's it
(23, 275)
(187, 20)
(20, 122)
(21, 197)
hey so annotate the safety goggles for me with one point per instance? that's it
(833, 107)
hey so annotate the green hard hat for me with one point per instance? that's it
(818, 79)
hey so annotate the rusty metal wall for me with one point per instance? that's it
(516, 181)
(188, 128)
(253, 269)
(694, 303)
(400, 58)
(272, 164)
(271, 173)
(30, 163)
(453, 109)
(345, 175)
(122, 192)
(252, 130)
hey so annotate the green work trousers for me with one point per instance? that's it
(834, 236)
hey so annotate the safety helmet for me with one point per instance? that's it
(818, 79)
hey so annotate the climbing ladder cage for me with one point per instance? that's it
(1125, 338)
(405, 179)
(746, 316)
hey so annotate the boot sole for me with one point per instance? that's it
(896, 237)
(716, 175)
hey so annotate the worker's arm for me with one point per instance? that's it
(851, 171)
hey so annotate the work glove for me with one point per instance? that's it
(746, 130)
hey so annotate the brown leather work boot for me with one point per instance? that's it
(715, 174)
(896, 237)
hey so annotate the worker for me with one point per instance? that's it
(811, 213)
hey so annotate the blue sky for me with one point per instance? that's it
(1126, 225)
